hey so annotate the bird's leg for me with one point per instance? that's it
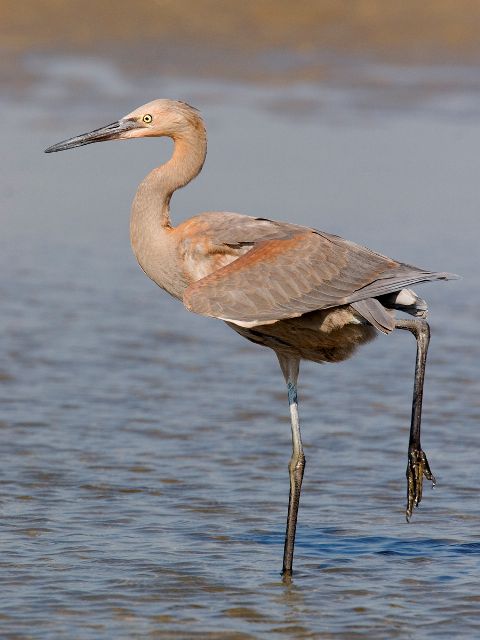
(290, 368)
(417, 460)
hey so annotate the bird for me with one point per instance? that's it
(304, 293)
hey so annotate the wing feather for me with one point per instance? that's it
(292, 270)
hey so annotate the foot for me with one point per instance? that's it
(417, 468)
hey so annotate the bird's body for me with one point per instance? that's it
(209, 242)
(304, 293)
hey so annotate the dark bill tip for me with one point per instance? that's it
(110, 132)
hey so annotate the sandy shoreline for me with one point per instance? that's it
(269, 41)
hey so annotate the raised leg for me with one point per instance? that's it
(417, 460)
(290, 367)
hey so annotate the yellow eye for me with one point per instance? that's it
(147, 118)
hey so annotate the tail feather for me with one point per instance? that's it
(407, 301)
(378, 310)
(376, 314)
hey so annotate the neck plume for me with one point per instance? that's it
(150, 226)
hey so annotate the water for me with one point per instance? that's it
(143, 481)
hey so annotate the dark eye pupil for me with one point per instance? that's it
(147, 118)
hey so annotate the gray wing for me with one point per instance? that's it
(291, 270)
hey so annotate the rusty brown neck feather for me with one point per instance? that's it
(150, 225)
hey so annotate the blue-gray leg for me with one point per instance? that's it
(290, 367)
(417, 466)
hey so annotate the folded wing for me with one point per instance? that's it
(301, 271)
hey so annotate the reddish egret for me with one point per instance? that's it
(304, 293)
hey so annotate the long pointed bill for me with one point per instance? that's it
(110, 132)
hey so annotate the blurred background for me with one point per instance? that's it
(143, 481)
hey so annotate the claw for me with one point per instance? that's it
(417, 468)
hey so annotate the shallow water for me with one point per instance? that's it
(143, 481)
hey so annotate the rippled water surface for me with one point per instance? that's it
(144, 480)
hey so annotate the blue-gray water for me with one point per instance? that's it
(144, 450)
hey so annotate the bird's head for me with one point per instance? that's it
(157, 118)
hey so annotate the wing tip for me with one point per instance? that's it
(450, 276)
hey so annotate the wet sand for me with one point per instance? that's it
(270, 41)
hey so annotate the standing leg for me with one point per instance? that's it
(417, 460)
(290, 367)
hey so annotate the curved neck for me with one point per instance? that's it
(152, 199)
(150, 227)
